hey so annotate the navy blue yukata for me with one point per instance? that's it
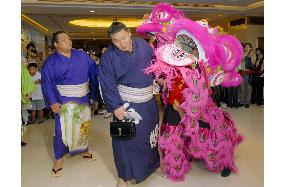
(137, 158)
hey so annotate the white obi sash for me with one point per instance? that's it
(135, 95)
(77, 90)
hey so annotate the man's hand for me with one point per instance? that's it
(247, 52)
(119, 113)
(176, 105)
(177, 108)
(56, 108)
(29, 59)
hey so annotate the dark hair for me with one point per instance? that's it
(248, 44)
(50, 47)
(29, 45)
(32, 65)
(116, 27)
(55, 36)
(243, 44)
(259, 49)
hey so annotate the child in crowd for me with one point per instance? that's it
(37, 97)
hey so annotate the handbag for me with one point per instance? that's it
(123, 129)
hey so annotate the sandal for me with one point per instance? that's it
(89, 157)
(56, 173)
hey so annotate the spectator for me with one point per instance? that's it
(48, 112)
(27, 87)
(259, 82)
(32, 55)
(37, 97)
(246, 68)
(98, 101)
(49, 51)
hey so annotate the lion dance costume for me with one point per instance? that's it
(191, 57)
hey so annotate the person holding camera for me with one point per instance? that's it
(246, 69)
(32, 55)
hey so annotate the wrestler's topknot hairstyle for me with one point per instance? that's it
(116, 27)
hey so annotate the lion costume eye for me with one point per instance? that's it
(186, 43)
(163, 15)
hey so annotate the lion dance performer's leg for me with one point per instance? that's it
(171, 144)
(221, 139)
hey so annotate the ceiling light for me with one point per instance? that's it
(106, 22)
(92, 11)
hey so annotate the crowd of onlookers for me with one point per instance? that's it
(251, 89)
(32, 99)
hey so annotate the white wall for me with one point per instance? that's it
(240, 31)
(254, 32)
(248, 33)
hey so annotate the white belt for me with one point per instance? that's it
(135, 95)
(78, 90)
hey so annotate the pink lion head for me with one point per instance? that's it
(198, 39)
(159, 22)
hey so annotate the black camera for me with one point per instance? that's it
(34, 51)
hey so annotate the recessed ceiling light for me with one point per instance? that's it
(220, 15)
(92, 11)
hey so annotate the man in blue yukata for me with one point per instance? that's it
(65, 85)
(128, 92)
